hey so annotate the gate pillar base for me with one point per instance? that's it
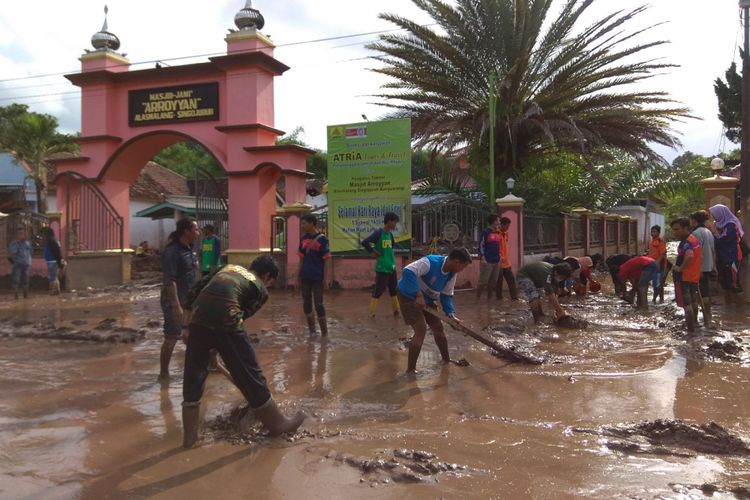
(245, 257)
(98, 269)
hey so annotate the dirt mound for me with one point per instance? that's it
(105, 331)
(672, 437)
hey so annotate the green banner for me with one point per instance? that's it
(369, 174)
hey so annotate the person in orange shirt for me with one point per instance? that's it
(506, 269)
(686, 272)
(657, 250)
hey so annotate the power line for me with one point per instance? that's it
(76, 92)
(177, 58)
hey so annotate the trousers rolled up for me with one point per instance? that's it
(239, 357)
(312, 291)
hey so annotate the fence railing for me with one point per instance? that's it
(438, 226)
(32, 222)
(541, 233)
(576, 234)
(92, 223)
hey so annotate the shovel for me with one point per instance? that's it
(507, 351)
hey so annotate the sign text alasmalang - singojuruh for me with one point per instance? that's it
(184, 103)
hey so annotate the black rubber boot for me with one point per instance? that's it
(311, 324)
(689, 319)
(323, 326)
(442, 344)
(190, 424)
(642, 299)
(661, 294)
(275, 421)
(706, 313)
(414, 351)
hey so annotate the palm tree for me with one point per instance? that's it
(33, 138)
(560, 86)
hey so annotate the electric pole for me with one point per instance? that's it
(744, 205)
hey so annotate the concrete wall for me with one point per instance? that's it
(146, 229)
(358, 273)
(645, 219)
(98, 269)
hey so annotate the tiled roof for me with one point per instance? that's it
(155, 182)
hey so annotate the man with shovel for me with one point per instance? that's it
(219, 305)
(424, 283)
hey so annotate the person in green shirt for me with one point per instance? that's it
(541, 276)
(380, 243)
(210, 250)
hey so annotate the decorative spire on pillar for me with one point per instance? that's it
(249, 18)
(103, 40)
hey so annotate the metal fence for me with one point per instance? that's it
(441, 225)
(92, 223)
(541, 233)
(32, 222)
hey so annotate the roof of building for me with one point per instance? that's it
(155, 182)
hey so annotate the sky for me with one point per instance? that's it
(329, 82)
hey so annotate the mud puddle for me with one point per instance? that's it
(88, 419)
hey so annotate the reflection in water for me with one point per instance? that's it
(86, 420)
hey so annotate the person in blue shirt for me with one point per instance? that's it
(314, 252)
(54, 259)
(424, 283)
(19, 255)
(489, 256)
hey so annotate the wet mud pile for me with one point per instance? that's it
(105, 331)
(399, 466)
(672, 437)
(711, 490)
(711, 344)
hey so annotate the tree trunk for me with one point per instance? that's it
(41, 197)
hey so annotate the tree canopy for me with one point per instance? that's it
(33, 137)
(729, 95)
(561, 87)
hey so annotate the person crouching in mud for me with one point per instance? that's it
(537, 276)
(423, 283)
(219, 304)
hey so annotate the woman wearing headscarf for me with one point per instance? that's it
(728, 233)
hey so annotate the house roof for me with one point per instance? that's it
(167, 208)
(155, 182)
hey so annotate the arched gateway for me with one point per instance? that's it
(225, 104)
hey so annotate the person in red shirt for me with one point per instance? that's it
(638, 271)
(686, 272)
(657, 250)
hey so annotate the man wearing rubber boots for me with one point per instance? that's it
(219, 305)
(424, 283)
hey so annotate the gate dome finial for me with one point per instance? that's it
(249, 18)
(103, 39)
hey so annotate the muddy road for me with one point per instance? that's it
(621, 409)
